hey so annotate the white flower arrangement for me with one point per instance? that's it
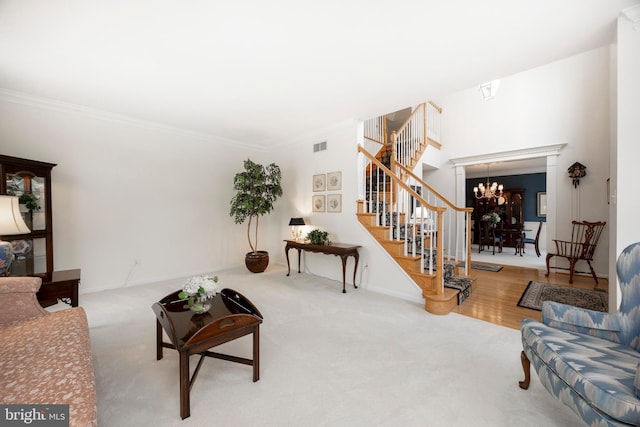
(198, 288)
(492, 217)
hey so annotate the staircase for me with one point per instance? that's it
(426, 235)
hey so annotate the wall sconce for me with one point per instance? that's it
(296, 222)
(577, 171)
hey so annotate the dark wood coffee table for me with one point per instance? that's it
(231, 316)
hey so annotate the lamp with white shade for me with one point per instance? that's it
(11, 223)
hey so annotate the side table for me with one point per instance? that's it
(231, 316)
(59, 285)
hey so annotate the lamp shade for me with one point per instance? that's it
(420, 213)
(296, 221)
(11, 221)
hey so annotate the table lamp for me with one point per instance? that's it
(296, 222)
(11, 222)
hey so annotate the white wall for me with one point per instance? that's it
(125, 191)
(626, 203)
(565, 101)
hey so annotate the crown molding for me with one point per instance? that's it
(21, 98)
(633, 14)
(505, 156)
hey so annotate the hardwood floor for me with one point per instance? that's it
(495, 296)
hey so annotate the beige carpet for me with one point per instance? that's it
(328, 359)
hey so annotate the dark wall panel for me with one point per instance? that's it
(533, 183)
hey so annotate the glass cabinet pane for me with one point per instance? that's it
(516, 209)
(30, 257)
(31, 190)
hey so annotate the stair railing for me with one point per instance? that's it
(421, 128)
(408, 216)
(375, 129)
(434, 113)
(457, 220)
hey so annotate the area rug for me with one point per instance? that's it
(537, 292)
(485, 267)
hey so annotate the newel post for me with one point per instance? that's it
(440, 255)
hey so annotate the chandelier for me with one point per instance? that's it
(488, 191)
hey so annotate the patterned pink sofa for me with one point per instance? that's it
(45, 358)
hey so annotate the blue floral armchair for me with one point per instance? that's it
(590, 360)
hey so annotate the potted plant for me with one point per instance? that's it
(257, 188)
(29, 200)
(317, 237)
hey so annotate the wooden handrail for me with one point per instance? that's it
(374, 140)
(436, 193)
(436, 106)
(413, 113)
(399, 182)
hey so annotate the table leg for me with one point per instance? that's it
(299, 251)
(355, 268)
(158, 340)
(286, 251)
(74, 295)
(344, 268)
(185, 406)
(256, 354)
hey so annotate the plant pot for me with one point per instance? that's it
(257, 262)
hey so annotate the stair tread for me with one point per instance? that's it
(447, 295)
(425, 274)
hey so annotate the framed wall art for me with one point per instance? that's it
(334, 181)
(542, 204)
(318, 203)
(319, 182)
(334, 203)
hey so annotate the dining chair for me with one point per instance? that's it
(532, 241)
(490, 236)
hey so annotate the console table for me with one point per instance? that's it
(342, 250)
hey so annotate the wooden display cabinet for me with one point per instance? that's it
(511, 210)
(30, 180)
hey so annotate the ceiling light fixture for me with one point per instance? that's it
(490, 190)
(489, 89)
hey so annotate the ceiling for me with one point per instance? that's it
(261, 72)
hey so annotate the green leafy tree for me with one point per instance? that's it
(257, 188)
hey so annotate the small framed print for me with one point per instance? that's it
(318, 203)
(334, 203)
(319, 182)
(542, 204)
(334, 181)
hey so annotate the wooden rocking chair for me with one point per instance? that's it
(584, 238)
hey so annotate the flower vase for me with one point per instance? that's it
(201, 304)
